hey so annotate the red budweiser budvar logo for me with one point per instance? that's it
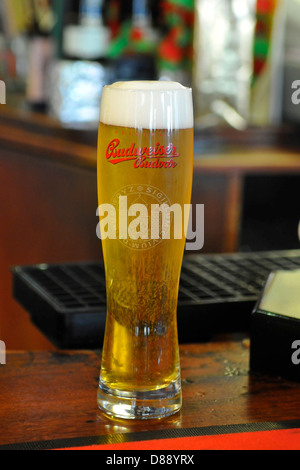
(159, 156)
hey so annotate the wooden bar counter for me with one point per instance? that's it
(48, 400)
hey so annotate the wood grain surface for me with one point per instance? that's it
(52, 395)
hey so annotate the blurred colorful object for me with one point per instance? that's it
(136, 35)
(113, 19)
(265, 10)
(175, 51)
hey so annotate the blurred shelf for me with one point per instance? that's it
(218, 149)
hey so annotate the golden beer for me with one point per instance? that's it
(145, 167)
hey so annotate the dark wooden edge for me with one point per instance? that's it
(153, 435)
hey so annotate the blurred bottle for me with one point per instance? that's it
(40, 51)
(25, 49)
(223, 66)
(133, 51)
(81, 68)
(89, 39)
(277, 63)
(287, 109)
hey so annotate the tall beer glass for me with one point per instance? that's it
(145, 168)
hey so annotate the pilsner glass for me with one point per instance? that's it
(145, 169)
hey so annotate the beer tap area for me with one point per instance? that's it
(240, 57)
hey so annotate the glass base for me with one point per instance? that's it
(152, 404)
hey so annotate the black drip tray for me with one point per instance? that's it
(217, 293)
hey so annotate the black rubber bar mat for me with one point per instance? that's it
(217, 294)
(261, 436)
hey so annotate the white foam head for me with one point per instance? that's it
(147, 105)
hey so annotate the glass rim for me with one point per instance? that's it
(180, 89)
